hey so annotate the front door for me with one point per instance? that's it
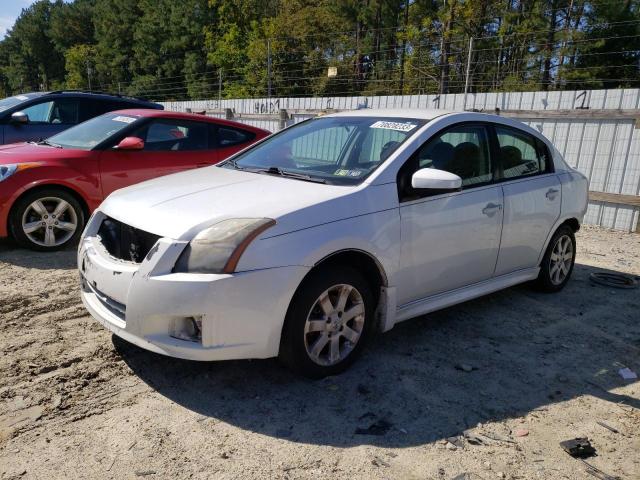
(170, 146)
(46, 118)
(449, 240)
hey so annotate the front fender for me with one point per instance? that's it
(15, 188)
(376, 234)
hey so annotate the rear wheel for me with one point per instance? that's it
(557, 263)
(328, 322)
(46, 220)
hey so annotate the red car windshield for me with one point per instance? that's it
(93, 132)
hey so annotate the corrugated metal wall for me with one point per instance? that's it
(606, 151)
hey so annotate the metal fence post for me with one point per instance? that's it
(282, 118)
(467, 79)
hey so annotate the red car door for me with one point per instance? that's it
(170, 146)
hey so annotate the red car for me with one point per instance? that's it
(49, 188)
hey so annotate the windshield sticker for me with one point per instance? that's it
(401, 127)
(120, 118)
(22, 97)
(347, 173)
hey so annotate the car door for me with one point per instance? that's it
(532, 198)
(449, 240)
(170, 146)
(46, 118)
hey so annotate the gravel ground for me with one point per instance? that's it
(481, 390)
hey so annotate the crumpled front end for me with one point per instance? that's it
(129, 286)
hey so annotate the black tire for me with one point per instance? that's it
(74, 213)
(546, 281)
(293, 342)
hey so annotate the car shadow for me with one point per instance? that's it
(11, 253)
(525, 350)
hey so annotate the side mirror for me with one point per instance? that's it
(130, 143)
(434, 179)
(19, 118)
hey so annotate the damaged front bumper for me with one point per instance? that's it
(238, 315)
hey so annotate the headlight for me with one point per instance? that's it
(218, 248)
(7, 170)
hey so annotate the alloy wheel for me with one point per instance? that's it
(49, 221)
(334, 325)
(561, 260)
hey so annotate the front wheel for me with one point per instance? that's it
(557, 263)
(46, 220)
(328, 322)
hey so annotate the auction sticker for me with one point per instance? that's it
(120, 118)
(347, 173)
(399, 126)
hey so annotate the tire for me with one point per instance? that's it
(554, 273)
(46, 220)
(300, 337)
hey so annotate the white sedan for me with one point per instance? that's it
(331, 231)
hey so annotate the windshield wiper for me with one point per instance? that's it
(287, 173)
(47, 142)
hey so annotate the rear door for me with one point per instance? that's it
(46, 118)
(532, 198)
(171, 146)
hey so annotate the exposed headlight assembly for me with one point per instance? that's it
(218, 249)
(7, 170)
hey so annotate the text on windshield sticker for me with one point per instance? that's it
(120, 118)
(401, 127)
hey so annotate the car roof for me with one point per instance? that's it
(83, 93)
(418, 113)
(150, 113)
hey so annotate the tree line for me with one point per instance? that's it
(198, 49)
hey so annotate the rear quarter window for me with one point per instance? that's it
(223, 136)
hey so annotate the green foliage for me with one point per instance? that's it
(77, 65)
(167, 49)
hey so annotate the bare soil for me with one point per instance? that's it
(516, 372)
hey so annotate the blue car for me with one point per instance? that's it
(39, 115)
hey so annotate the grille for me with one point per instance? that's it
(125, 242)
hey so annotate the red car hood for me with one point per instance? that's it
(29, 152)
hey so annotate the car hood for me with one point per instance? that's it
(181, 205)
(28, 152)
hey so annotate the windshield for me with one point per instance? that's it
(93, 132)
(7, 103)
(336, 150)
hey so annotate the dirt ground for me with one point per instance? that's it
(516, 372)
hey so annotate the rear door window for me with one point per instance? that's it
(520, 154)
(93, 107)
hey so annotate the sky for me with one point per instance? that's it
(9, 11)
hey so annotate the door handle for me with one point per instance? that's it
(551, 193)
(491, 209)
